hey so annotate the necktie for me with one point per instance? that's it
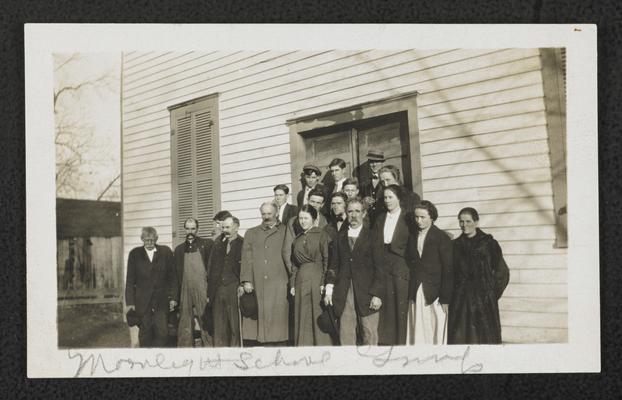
(375, 176)
(228, 246)
(351, 241)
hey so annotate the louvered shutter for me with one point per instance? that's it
(194, 146)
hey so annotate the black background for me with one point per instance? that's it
(13, 14)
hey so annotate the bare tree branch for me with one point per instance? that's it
(108, 187)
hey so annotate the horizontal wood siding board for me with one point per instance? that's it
(254, 144)
(534, 319)
(534, 335)
(534, 232)
(533, 290)
(535, 305)
(539, 275)
(254, 173)
(147, 205)
(260, 153)
(498, 206)
(534, 261)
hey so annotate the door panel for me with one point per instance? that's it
(352, 142)
(389, 139)
(322, 149)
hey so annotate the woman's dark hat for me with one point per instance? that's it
(375, 155)
(132, 318)
(328, 322)
(248, 305)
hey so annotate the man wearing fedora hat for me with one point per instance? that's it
(223, 283)
(369, 180)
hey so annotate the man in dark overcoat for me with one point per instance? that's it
(149, 287)
(264, 272)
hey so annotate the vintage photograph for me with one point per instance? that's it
(353, 198)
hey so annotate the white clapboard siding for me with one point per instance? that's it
(482, 132)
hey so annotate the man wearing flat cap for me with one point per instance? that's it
(311, 175)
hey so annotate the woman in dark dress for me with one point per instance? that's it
(391, 234)
(480, 277)
(309, 264)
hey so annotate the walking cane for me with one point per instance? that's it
(240, 323)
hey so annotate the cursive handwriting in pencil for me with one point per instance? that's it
(381, 356)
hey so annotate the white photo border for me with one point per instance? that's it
(580, 354)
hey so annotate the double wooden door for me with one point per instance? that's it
(352, 141)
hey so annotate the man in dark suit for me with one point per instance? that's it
(285, 210)
(354, 284)
(367, 173)
(149, 286)
(224, 283)
(431, 284)
(191, 259)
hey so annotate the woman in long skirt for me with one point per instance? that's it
(391, 235)
(309, 264)
(481, 275)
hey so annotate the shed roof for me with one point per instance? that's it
(87, 218)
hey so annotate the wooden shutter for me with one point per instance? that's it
(195, 165)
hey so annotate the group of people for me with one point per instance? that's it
(361, 252)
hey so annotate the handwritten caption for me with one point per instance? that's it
(92, 363)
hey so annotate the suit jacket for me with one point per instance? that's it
(204, 247)
(149, 284)
(289, 212)
(216, 263)
(399, 244)
(434, 270)
(363, 173)
(357, 266)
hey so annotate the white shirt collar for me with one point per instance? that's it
(354, 232)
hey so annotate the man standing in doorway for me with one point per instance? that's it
(369, 181)
(191, 258)
(264, 272)
(149, 286)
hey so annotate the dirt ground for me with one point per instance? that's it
(92, 326)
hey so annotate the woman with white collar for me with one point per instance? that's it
(391, 235)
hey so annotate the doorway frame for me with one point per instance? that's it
(299, 126)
